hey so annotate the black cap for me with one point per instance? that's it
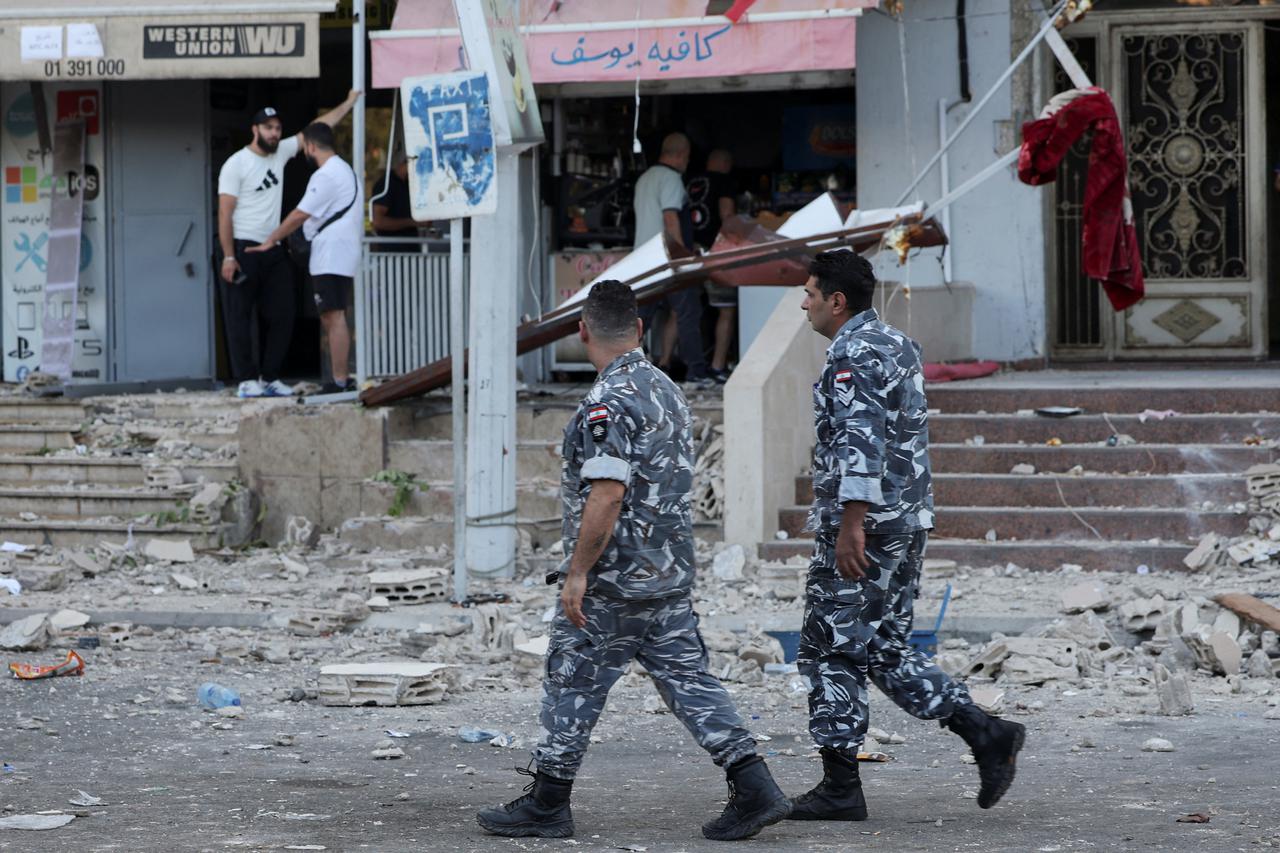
(264, 114)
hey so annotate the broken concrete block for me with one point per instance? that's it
(299, 532)
(86, 564)
(989, 699)
(1263, 480)
(1259, 665)
(384, 683)
(170, 552)
(1228, 623)
(1143, 614)
(1215, 651)
(1085, 596)
(1031, 669)
(311, 622)
(1204, 553)
(205, 506)
(41, 578)
(184, 581)
(763, 650)
(938, 568)
(29, 634)
(729, 563)
(401, 534)
(411, 587)
(1173, 692)
(378, 603)
(163, 476)
(1157, 744)
(294, 567)
(1023, 469)
(1087, 630)
(529, 656)
(493, 628)
(68, 620)
(1253, 550)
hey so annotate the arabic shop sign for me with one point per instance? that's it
(652, 53)
(666, 50)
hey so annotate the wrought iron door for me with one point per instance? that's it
(1190, 102)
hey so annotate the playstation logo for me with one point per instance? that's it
(23, 350)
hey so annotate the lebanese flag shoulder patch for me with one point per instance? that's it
(598, 422)
(844, 376)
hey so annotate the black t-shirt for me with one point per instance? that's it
(705, 192)
(395, 198)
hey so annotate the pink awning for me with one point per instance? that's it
(600, 41)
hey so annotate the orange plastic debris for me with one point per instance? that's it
(73, 665)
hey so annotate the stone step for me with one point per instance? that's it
(1146, 459)
(432, 460)
(21, 409)
(535, 422)
(974, 490)
(179, 408)
(1036, 555)
(535, 503)
(37, 438)
(86, 534)
(102, 471)
(1086, 429)
(1055, 523)
(1124, 397)
(87, 503)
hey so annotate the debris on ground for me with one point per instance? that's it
(73, 665)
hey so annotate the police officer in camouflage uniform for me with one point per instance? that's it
(871, 516)
(627, 584)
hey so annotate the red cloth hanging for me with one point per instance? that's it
(1110, 244)
(738, 9)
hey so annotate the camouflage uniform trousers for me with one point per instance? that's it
(583, 664)
(859, 629)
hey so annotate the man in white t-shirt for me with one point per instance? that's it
(661, 207)
(332, 218)
(250, 193)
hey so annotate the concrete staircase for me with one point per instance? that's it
(1143, 503)
(51, 494)
(420, 443)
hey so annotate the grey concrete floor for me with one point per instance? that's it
(173, 783)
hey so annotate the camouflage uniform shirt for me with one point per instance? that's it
(634, 426)
(872, 432)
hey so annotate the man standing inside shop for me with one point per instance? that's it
(661, 207)
(331, 219)
(392, 212)
(711, 202)
(250, 194)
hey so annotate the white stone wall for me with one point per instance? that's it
(997, 232)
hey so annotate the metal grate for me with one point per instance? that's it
(1079, 298)
(405, 322)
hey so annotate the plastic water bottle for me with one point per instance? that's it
(471, 734)
(214, 696)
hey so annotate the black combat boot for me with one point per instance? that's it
(995, 744)
(543, 812)
(838, 796)
(755, 801)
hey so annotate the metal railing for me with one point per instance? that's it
(402, 318)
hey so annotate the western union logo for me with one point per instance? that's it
(232, 41)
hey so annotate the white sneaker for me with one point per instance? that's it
(251, 388)
(276, 388)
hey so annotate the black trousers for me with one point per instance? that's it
(268, 287)
(686, 304)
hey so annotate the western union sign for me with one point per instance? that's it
(138, 47)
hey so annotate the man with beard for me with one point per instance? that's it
(250, 194)
(872, 513)
(332, 220)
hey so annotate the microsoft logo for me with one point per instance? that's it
(20, 185)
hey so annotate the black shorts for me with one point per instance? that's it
(331, 291)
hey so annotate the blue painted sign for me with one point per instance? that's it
(448, 135)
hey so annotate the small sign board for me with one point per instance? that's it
(494, 45)
(448, 138)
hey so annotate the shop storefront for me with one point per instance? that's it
(138, 76)
(775, 90)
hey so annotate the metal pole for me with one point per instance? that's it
(357, 163)
(457, 350)
(991, 93)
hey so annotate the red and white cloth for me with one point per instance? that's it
(1110, 240)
